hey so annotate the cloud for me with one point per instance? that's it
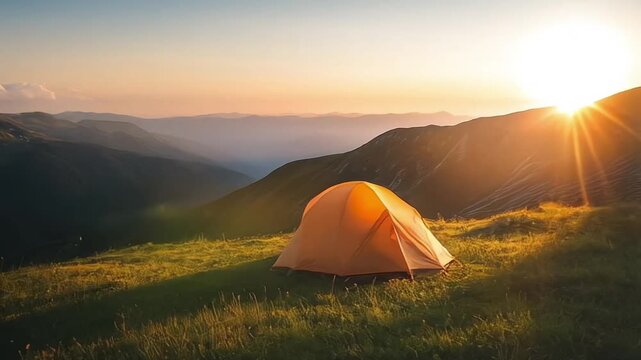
(26, 97)
(25, 91)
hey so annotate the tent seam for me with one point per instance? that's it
(379, 222)
(400, 247)
(340, 223)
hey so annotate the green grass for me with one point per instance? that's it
(549, 283)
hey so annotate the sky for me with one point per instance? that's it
(164, 58)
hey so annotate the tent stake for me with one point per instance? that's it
(333, 282)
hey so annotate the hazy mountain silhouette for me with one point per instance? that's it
(117, 135)
(54, 192)
(476, 168)
(256, 145)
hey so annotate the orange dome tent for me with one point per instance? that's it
(358, 228)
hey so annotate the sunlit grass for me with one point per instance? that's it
(37, 288)
(553, 282)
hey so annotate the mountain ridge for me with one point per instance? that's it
(63, 198)
(476, 168)
(257, 144)
(117, 135)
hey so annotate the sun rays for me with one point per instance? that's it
(589, 134)
(573, 64)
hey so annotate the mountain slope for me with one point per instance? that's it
(257, 145)
(11, 131)
(55, 192)
(477, 168)
(112, 134)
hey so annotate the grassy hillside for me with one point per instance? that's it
(552, 282)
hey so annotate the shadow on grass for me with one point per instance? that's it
(576, 298)
(132, 307)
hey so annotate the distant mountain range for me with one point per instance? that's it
(99, 180)
(256, 145)
(63, 181)
(476, 168)
(102, 180)
(118, 135)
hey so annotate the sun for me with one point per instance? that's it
(573, 64)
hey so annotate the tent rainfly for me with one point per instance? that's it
(358, 228)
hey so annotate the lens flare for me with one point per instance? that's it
(571, 65)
